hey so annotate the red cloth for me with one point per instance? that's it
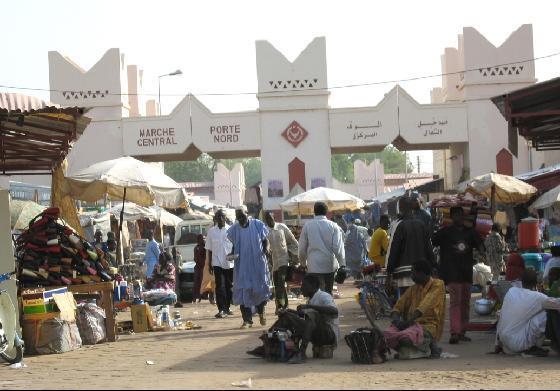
(459, 306)
(515, 266)
(393, 335)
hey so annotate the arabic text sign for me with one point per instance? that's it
(438, 124)
(362, 127)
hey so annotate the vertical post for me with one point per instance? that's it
(418, 163)
(493, 201)
(120, 257)
(159, 94)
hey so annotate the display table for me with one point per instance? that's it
(105, 289)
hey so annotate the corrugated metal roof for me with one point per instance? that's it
(36, 135)
(542, 171)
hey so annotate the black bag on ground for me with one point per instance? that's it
(368, 346)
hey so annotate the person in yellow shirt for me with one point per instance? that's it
(418, 317)
(380, 242)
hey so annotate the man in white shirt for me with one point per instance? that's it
(316, 322)
(219, 247)
(523, 318)
(321, 247)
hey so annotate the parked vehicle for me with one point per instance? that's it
(185, 242)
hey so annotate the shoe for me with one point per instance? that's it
(454, 340)
(257, 352)
(536, 352)
(262, 318)
(464, 338)
(220, 315)
(298, 358)
(246, 325)
(229, 312)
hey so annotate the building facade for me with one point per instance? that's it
(295, 131)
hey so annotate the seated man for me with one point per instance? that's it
(523, 319)
(315, 322)
(418, 316)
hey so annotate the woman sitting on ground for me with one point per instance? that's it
(163, 276)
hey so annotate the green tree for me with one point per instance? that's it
(393, 161)
(199, 170)
(202, 169)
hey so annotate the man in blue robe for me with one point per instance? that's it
(251, 280)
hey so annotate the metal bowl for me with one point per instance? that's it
(483, 306)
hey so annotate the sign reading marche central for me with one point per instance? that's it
(156, 136)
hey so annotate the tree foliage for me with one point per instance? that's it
(202, 169)
(392, 159)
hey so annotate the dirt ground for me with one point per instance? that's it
(214, 357)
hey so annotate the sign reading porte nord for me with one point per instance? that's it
(153, 137)
(225, 133)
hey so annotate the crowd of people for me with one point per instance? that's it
(239, 261)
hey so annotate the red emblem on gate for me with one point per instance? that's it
(294, 134)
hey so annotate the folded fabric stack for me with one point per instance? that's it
(52, 254)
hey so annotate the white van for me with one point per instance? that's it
(185, 242)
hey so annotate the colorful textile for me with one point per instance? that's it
(430, 301)
(378, 247)
(251, 276)
(393, 335)
(459, 306)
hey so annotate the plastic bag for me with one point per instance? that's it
(58, 336)
(91, 323)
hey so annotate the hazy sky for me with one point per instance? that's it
(213, 41)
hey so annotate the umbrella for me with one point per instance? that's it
(22, 212)
(503, 189)
(548, 199)
(132, 212)
(136, 212)
(126, 178)
(164, 217)
(303, 203)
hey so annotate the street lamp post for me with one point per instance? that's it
(176, 73)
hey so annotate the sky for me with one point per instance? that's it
(213, 42)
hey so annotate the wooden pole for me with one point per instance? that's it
(120, 259)
(493, 202)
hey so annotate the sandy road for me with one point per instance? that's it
(214, 357)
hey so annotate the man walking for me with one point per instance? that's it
(321, 247)
(219, 247)
(151, 256)
(282, 243)
(355, 248)
(456, 244)
(380, 242)
(251, 286)
(409, 243)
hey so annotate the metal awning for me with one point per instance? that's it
(534, 112)
(35, 135)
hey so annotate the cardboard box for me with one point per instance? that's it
(141, 318)
(40, 293)
(39, 309)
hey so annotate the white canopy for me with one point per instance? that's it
(136, 212)
(548, 199)
(508, 189)
(336, 200)
(144, 184)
